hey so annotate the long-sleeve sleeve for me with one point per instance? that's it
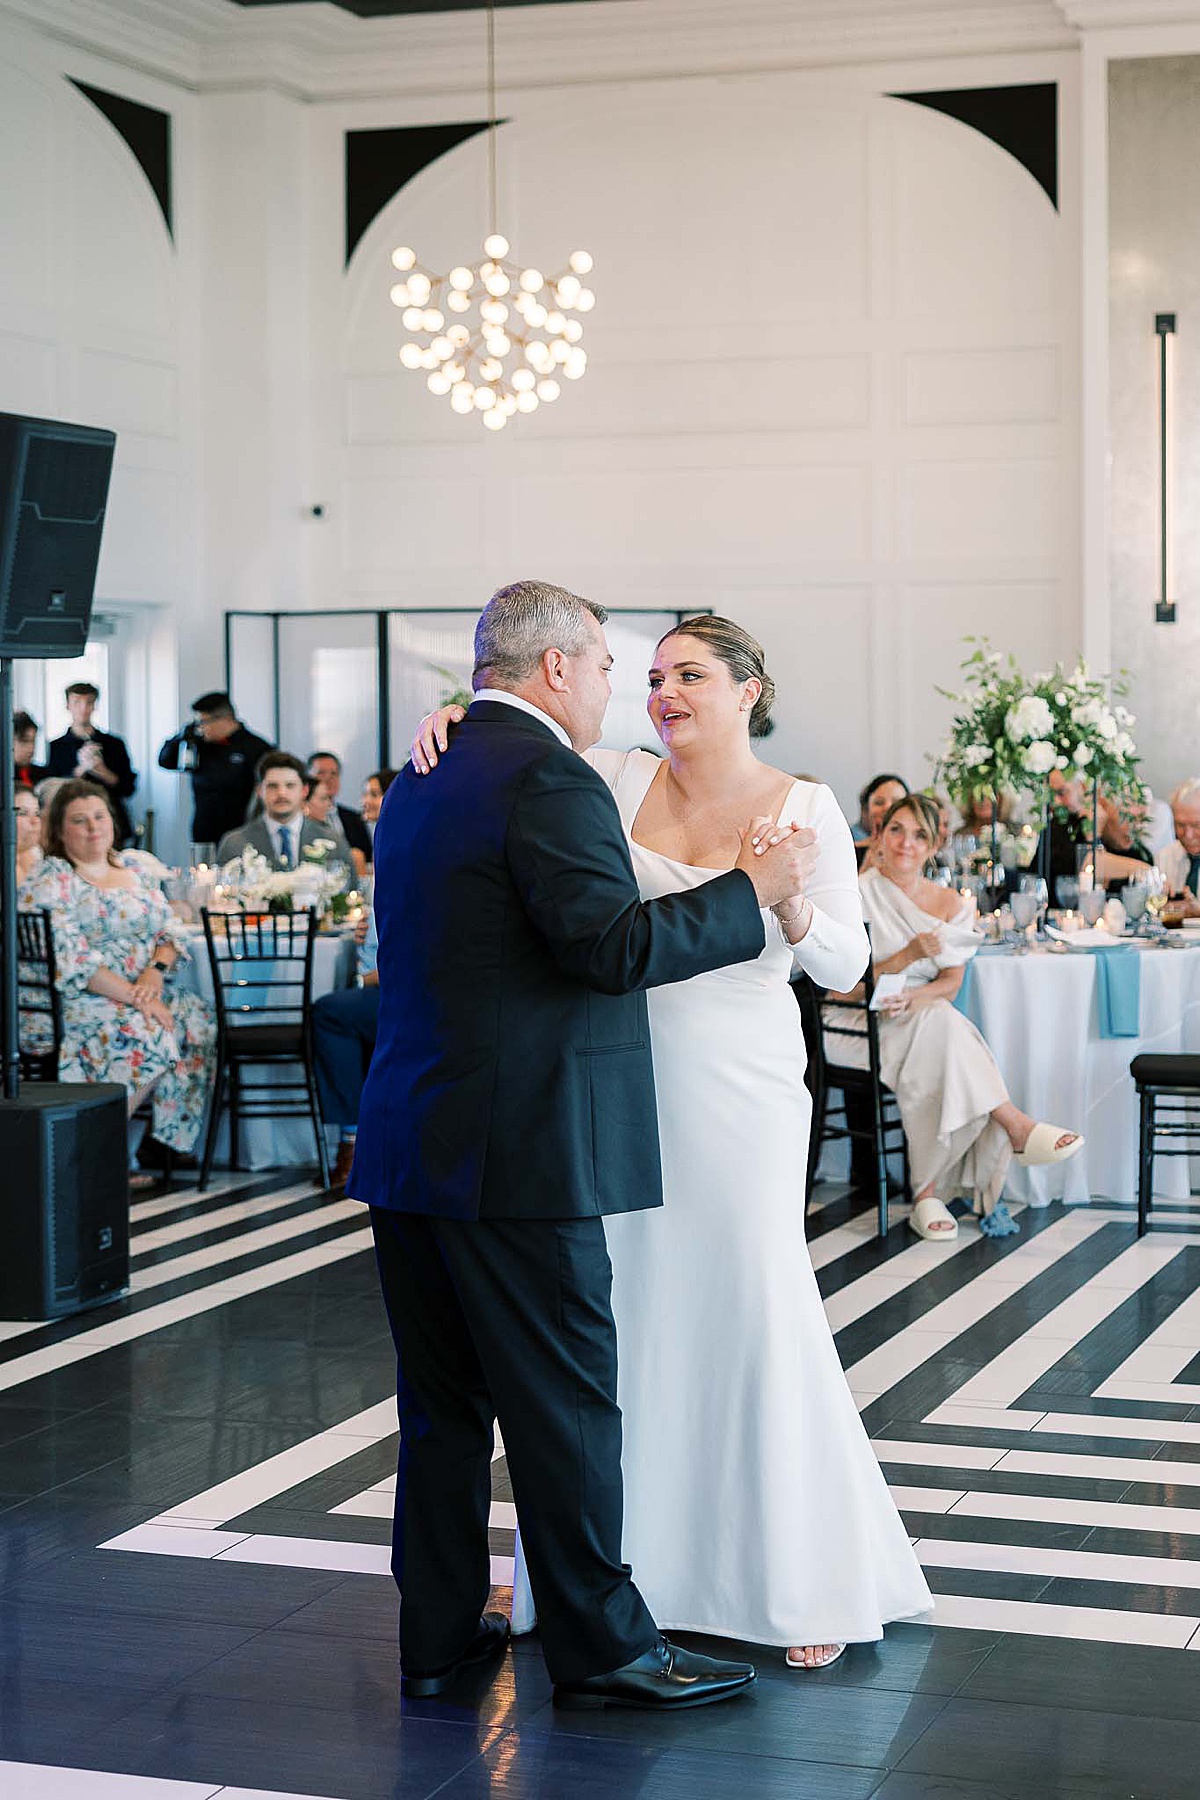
(835, 948)
(168, 756)
(571, 865)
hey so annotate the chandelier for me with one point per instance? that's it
(494, 336)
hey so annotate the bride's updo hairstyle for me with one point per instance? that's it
(742, 656)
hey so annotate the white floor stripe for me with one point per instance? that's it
(184, 1306)
(882, 1368)
(161, 1204)
(983, 1418)
(236, 1213)
(246, 1244)
(45, 1781)
(1159, 1393)
(1092, 1624)
(1161, 1356)
(1037, 1350)
(1152, 1431)
(938, 1456)
(1167, 1470)
(1047, 1509)
(1067, 1565)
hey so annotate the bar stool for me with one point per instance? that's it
(1169, 1103)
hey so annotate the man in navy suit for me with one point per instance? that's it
(510, 1105)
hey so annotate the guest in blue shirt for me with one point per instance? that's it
(344, 1027)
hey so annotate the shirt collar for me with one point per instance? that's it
(525, 706)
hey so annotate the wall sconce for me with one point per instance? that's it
(1164, 611)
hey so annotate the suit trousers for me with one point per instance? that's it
(508, 1320)
(344, 1028)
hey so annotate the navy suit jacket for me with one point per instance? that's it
(512, 1076)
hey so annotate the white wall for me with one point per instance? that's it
(831, 393)
(1154, 231)
(832, 390)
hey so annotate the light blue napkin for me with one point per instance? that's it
(965, 996)
(1119, 992)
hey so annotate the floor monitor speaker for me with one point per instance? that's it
(64, 1216)
(53, 492)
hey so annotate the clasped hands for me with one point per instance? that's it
(780, 861)
(146, 996)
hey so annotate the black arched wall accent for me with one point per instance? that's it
(147, 132)
(1022, 120)
(380, 163)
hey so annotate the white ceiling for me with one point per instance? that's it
(321, 51)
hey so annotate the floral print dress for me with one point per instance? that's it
(116, 928)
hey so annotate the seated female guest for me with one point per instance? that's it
(29, 834)
(961, 1127)
(115, 941)
(373, 790)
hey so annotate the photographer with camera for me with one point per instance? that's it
(220, 755)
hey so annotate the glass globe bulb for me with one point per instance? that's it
(490, 369)
(462, 278)
(560, 350)
(581, 261)
(496, 245)
(442, 348)
(497, 284)
(498, 343)
(572, 331)
(548, 390)
(456, 372)
(403, 257)
(459, 303)
(399, 295)
(411, 355)
(495, 419)
(420, 287)
(458, 334)
(524, 380)
(429, 360)
(439, 382)
(414, 318)
(462, 401)
(532, 280)
(537, 315)
(432, 319)
(555, 323)
(484, 397)
(569, 289)
(575, 365)
(585, 301)
(494, 311)
(527, 402)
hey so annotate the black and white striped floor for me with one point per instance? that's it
(217, 1453)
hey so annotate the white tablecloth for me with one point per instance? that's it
(274, 1143)
(1038, 1013)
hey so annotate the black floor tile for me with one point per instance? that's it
(358, 1755)
(120, 1582)
(38, 1531)
(1104, 1678)
(89, 1648)
(44, 1720)
(528, 1767)
(1052, 1785)
(1116, 1754)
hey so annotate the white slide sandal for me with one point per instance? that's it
(826, 1662)
(931, 1219)
(1042, 1146)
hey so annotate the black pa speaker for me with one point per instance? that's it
(64, 1215)
(53, 492)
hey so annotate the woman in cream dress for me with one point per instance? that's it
(754, 1504)
(961, 1128)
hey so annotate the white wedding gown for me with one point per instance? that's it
(754, 1505)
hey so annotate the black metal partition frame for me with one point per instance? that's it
(383, 650)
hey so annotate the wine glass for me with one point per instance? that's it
(1092, 902)
(1035, 885)
(1024, 905)
(1134, 898)
(1066, 890)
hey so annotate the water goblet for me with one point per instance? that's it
(1036, 885)
(1025, 907)
(1134, 898)
(1092, 902)
(1066, 891)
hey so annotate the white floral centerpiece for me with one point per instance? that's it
(1074, 723)
(252, 883)
(980, 756)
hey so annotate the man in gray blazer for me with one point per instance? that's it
(282, 832)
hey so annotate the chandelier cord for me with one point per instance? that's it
(493, 121)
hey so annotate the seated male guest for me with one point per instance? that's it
(325, 767)
(344, 1028)
(26, 773)
(1180, 860)
(282, 832)
(85, 753)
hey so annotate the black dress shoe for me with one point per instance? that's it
(665, 1679)
(491, 1640)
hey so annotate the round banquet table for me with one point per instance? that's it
(273, 1143)
(1039, 1015)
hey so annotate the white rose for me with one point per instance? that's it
(1040, 757)
(976, 755)
(1124, 744)
(1083, 756)
(1060, 699)
(1107, 726)
(1030, 718)
(1086, 714)
(1123, 716)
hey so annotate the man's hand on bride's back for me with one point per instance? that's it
(433, 734)
(779, 859)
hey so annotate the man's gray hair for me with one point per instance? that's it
(520, 623)
(1187, 793)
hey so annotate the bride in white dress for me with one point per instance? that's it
(754, 1504)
